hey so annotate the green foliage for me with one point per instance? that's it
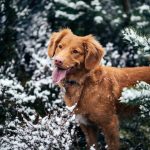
(140, 42)
(138, 127)
(8, 31)
(138, 95)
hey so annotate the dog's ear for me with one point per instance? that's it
(93, 52)
(55, 39)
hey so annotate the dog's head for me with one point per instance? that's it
(70, 51)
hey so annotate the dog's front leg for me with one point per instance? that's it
(91, 133)
(111, 133)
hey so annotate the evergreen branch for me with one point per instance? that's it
(137, 40)
(138, 95)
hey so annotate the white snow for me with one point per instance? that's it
(135, 18)
(138, 95)
(72, 107)
(144, 7)
(66, 15)
(135, 39)
(98, 19)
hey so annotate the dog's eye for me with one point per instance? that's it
(60, 46)
(75, 51)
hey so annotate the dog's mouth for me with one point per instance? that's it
(58, 74)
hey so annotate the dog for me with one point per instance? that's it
(93, 89)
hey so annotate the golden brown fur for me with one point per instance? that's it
(98, 87)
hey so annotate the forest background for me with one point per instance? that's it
(32, 112)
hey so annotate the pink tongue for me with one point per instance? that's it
(58, 75)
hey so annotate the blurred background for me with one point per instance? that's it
(32, 112)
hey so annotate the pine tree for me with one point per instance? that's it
(139, 95)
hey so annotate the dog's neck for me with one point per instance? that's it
(77, 77)
(71, 82)
(80, 75)
(74, 84)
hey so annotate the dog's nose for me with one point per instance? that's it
(58, 62)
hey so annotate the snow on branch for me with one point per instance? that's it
(137, 40)
(138, 95)
(50, 132)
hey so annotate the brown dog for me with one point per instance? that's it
(95, 89)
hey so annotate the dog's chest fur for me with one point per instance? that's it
(81, 119)
(72, 94)
(90, 100)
